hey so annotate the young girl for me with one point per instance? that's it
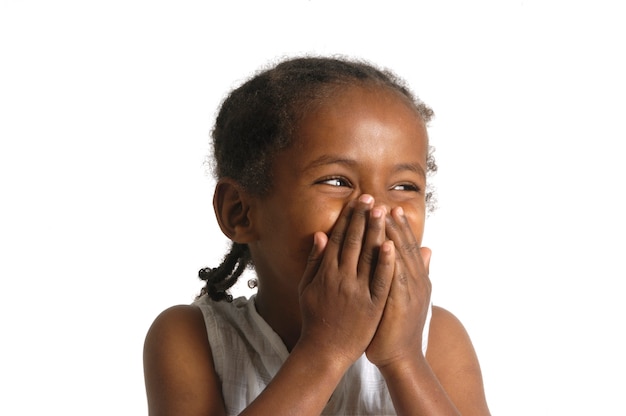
(321, 169)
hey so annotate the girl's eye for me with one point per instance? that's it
(335, 182)
(406, 187)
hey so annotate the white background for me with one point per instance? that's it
(105, 113)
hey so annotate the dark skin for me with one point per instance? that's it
(337, 250)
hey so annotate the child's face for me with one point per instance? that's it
(361, 141)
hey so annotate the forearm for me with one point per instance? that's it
(302, 386)
(415, 390)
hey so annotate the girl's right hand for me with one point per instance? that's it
(346, 282)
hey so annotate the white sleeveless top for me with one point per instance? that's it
(247, 353)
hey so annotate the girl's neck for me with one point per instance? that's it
(281, 315)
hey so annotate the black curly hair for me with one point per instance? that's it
(258, 119)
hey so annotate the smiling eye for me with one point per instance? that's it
(335, 182)
(406, 187)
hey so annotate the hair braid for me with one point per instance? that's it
(221, 278)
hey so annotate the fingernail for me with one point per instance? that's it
(366, 199)
(377, 213)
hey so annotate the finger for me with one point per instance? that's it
(315, 257)
(382, 278)
(374, 237)
(411, 268)
(410, 279)
(353, 238)
(399, 231)
(337, 235)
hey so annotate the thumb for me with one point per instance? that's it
(426, 253)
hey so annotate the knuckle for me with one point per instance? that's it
(403, 278)
(374, 226)
(336, 238)
(313, 258)
(391, 224)
(410, 247)
(378, 285)
(353, 240)
(368, 257)
(360, 212)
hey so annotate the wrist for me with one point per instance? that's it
(323, 357)
(403, 366)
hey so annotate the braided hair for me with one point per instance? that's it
(258, 119)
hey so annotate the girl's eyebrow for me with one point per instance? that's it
(413, 167)
(336, 160)
(330, 160)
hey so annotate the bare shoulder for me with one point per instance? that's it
(452, 357)
(178, 365)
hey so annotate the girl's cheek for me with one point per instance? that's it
(330, 221)
(329, 215)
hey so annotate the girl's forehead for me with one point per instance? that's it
(356, 117)
(390, 101)
(356, 105)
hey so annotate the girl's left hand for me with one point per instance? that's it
(399, 333)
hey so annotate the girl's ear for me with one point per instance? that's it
(232, 210)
